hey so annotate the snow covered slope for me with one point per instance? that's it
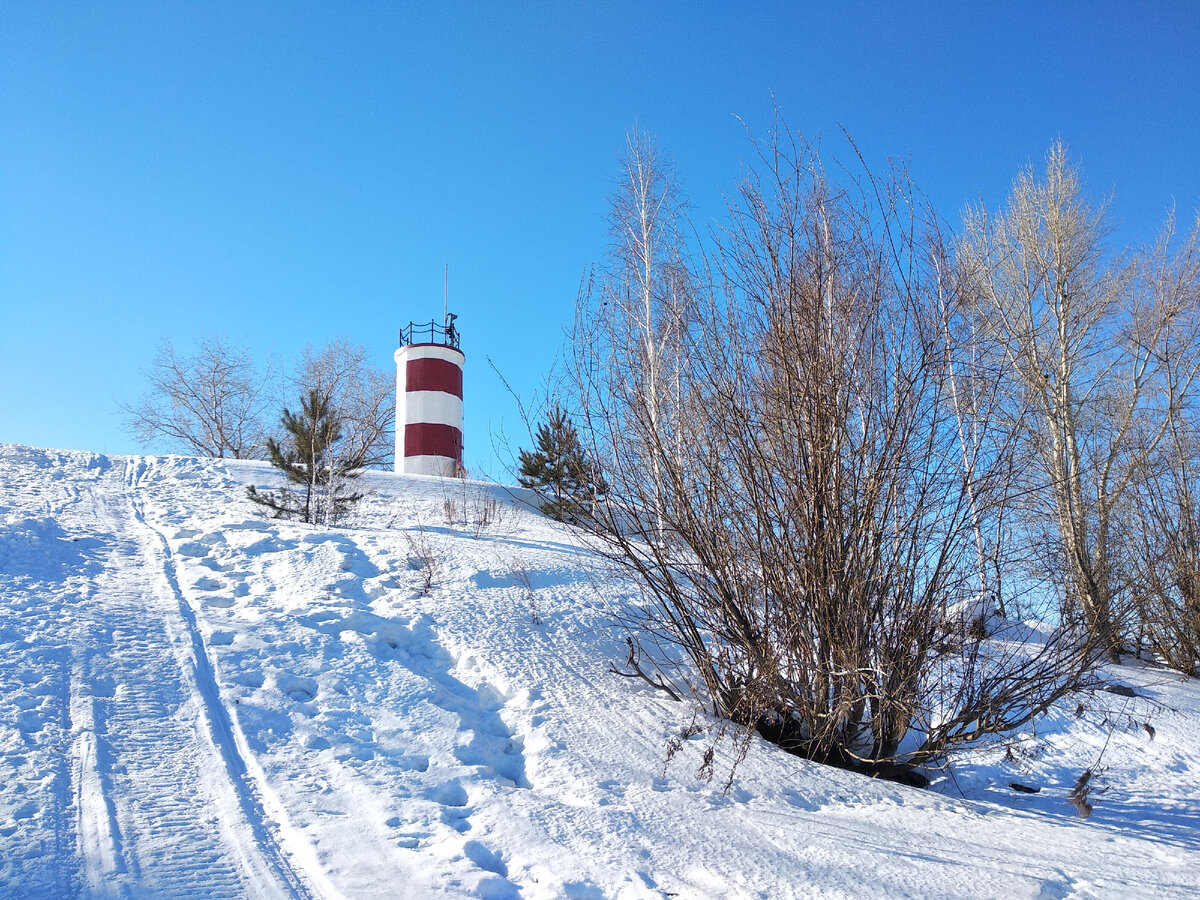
(199, 702)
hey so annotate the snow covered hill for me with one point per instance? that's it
(199, 702)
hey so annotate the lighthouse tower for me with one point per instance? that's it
(429, 400)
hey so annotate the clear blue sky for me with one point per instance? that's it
(283, 173)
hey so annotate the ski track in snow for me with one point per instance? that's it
(198, 702)
(158, 794)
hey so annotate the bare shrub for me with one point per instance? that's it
(1163, 540)
(450, 513)
(1164, 567)
(471, 507)
(786, 472)
(636, 670)
(421, 559)
(485, 512)
(521, 577)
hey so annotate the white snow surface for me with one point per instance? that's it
(196, 701)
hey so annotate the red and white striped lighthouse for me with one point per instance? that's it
(429, 400)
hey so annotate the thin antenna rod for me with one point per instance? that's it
(446, 297)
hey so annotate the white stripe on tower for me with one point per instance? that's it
(436, 407)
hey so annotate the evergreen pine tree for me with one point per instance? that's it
(559, 470)
(308, 461)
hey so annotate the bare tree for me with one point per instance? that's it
(209, 404)
(1084, 344)
(364, 397)
(1162, 562)
(985, 440)
(801, 523)
(644, 291)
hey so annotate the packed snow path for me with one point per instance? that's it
(162, 802)
(196, 702)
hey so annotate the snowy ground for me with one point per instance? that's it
(199, 702)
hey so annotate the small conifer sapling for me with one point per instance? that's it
(307, 457)
(559, 469)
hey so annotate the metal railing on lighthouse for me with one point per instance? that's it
(431, 333)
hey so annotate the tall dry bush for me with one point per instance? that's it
(788, 480)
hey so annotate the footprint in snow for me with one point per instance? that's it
(449, 794)
(456, 818)
(486, 859)
(453, 798)
(588, 890)
(616, 792)
(297, 688)
(408, 840)
(251, 679)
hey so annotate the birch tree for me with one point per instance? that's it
(1084, 348)
(639, 309)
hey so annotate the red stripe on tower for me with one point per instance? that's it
(432, 374)
(428, 439)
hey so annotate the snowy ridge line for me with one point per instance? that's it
(249, 783)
